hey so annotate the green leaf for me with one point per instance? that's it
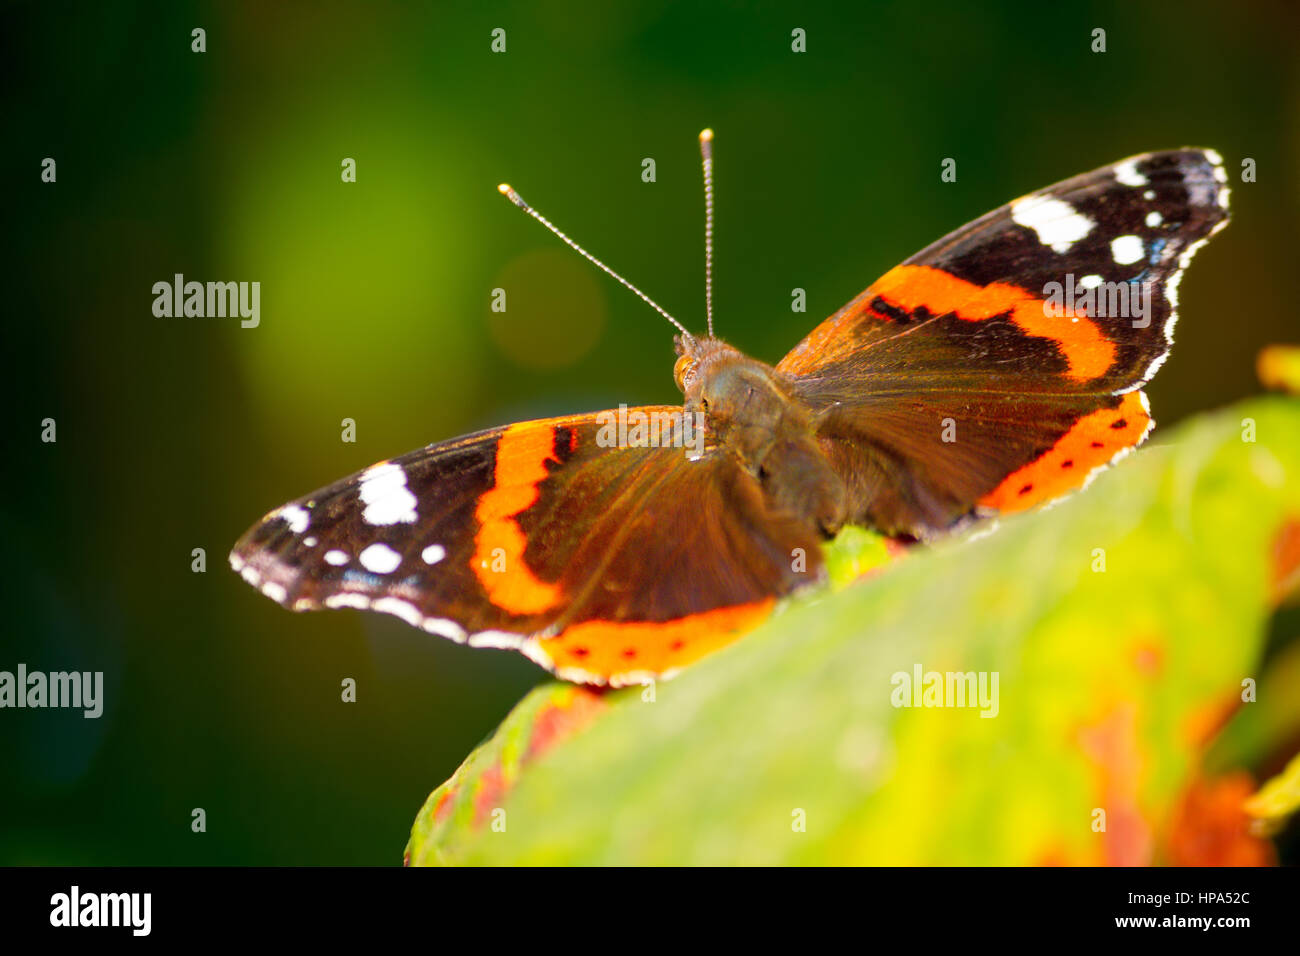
(470, 802)
(1279, 797)
(1120, 624)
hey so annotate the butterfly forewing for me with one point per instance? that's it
(989, 372)
(602, 561)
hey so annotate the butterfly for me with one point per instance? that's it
(997, 369)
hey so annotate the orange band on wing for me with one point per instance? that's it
(606, 649)
(1094, 440)
(1087, 351)
(498, 560)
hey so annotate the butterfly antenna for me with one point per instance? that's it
(706, 151)
(506, 190)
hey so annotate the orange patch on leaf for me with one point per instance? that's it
(498, 559)
(1112, 747)
(896, 548)
(489, 794)
(1093, 441)
(1286, 562)
(442, 809)
(609, 650)
(574, 709)
(559, 721)
(1149, 658)
(1053, 856)
(1210, 827)
(1203, 723)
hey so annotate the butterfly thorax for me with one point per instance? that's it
(751, 413)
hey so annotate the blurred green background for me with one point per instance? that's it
(225, 165)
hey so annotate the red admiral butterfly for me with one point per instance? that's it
(997, 369)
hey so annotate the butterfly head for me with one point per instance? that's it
(727, 385)
(696, 358)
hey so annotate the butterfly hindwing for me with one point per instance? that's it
(1000, 366)
(602, 561)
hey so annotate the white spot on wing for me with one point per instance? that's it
(384, 493)
(576, 675)
(444, 628)
(631, 679)
(379, 558)
(532, 649)
(1154, 219)
(396, 606)
(274, 591)
(1186, 258)
(1057, 223)
(348, 599)
(502, 640)
(1127, 173)
(336, 557)
(296, 517)
(1171, 293)
(433, 553)
(1126, 249)
(1090, 282)
(1171, 288)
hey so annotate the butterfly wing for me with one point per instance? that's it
(602, 560)
(1001, 366)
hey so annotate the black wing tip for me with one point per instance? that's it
(258, 558)
(1199, 155)
(1199, 169)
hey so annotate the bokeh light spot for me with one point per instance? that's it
(555, 309)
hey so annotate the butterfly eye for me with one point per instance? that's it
(684, 372)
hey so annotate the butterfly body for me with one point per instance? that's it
(995, 370)
(752, 411)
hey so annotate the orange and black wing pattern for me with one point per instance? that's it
(1002, 366)
(602, 560)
